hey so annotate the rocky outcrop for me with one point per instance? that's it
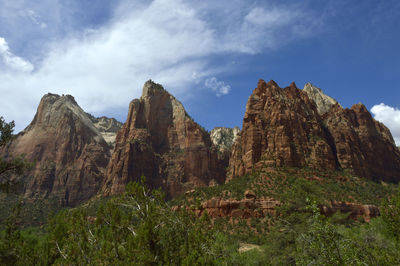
(69, 152)
(250, 207)
(160, 141)
(322, 101)
(108, 128)
(282, 127)
(238, 209)
(354, 210)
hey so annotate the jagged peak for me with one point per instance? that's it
(52, 97)
(322, 101)
(293, 85)
(310, 87)
(150, 88)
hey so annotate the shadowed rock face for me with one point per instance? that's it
(283, 127)
(363, 144)
(69, 151)
(160, 141)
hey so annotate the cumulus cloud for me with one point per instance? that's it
(219, 87)
(172, 42)
(12, 61)
(390, 117)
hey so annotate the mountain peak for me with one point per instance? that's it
(150, 88)
(322, 101)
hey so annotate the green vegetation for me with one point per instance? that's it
(141, 228)
(12, 165)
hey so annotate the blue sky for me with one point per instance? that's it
(209, 54)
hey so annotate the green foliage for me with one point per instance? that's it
(18, 247)
(325, 243)
(12, 165)
(136, 228)
(390, 211)
(141, 228)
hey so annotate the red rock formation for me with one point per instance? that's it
(355, 211)
(252, 207)
(70, 154)
(244, 208)
(282, 127)
(362, 144)
(160, 141)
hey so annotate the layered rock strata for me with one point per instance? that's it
(69, 153)
(286, 127)
(160, 141)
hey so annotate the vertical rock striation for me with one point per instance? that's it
(160, 141)
(69, 152)
(306, 128)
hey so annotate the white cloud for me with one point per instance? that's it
(270, 18)
(172, 42)
(219, 87)
(390, 117)
(12, 61)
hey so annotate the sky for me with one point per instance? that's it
(208, 54)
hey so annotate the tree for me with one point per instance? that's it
(136, 228)
(9, 165)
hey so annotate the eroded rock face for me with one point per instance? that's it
(108, 128)
(283, 127)
(261, 207)
(160, 141)
(363, 144)
(355, 211)
(322, 101)
(69, 152)
(238, 209)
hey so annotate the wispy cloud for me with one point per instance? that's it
(170, 41)
(390, 117)
(12, 61)
(34, 17)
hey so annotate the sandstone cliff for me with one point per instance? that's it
(69, 152)
(281, 127)
(363, 144)
(284, 127)
(160, 141)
